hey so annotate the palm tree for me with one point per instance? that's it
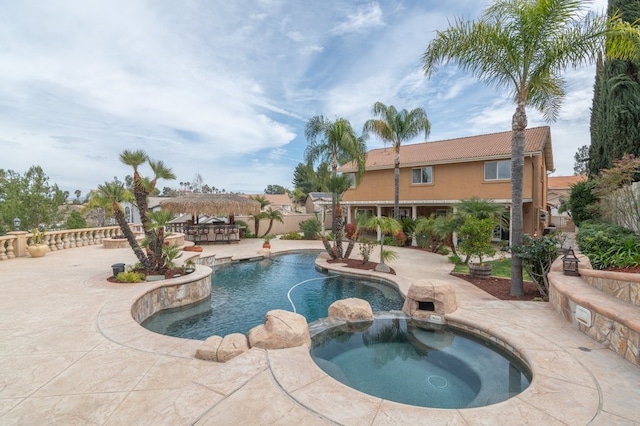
(109, 196)
(386, 225)
(523, 46)
(158, 220)
(142, 187)
(272, 215)
(396, 127)
(260, 215)
(336, 143)
(338, 184)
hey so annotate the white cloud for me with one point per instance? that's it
(365, 18)
(225, 88)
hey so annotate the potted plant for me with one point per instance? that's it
(37, 247)
(476, 242)
(267, 241)
(189, 266)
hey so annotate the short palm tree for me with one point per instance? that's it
(387, 226)
(522, 46)
(260, 215)
(396, 127)
(272, 215)
(335, 143)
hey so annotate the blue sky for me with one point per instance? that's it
(224, 89)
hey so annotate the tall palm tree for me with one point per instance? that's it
(395, 127)
(336, 143)
(142, 187)
(523, 46)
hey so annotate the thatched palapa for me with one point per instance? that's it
(211, 205)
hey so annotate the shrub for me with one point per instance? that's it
(537, 255)
(455, 259)
(476, 237)
(366, 247)
(444, 250)
(76, 221)
(130, 277)
(310, 228)
(291, 236)
(608, 245)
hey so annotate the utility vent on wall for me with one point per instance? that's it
(583, 316)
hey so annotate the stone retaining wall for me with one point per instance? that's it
(623, 286)
(615, 322)
(173, 293)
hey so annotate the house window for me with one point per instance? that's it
(422, 175)
(494, 170)
(352, 179)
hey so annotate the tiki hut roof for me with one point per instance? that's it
(211, 204)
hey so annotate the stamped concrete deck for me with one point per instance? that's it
(70, 353)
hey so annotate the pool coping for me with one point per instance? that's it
(576, 392)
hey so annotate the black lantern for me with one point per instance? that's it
(570, 263)
(16, 223)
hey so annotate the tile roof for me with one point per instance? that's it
(471, 148)
(564, 182)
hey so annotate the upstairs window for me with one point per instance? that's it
(422, 175)
(495, 170)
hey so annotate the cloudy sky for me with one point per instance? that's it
(224, 88)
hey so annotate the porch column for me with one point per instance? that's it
(414, 212)
(379, 214)
(349, 214)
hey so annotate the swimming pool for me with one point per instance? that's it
(242, 293)
(420, 364)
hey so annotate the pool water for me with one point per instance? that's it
(242, 293)
(425, 365)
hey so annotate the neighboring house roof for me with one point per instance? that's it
(564, 182)
(315, 196)
(471, 148)
(276, 200)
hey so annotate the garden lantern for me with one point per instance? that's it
(16, 223)
(570, 263)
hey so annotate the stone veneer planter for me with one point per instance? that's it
(173, 293)
(176, 238)
(611, 301)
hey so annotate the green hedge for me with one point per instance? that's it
(608, 245)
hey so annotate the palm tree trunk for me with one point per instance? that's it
(338, 233)
(131, 238)
(269, 228)
(352, 243)
(519, 124)
(327, 246)
(396, 183)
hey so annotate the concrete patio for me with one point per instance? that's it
(69, 356)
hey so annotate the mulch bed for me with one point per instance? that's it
(171, 273)
(501, 287)
(358, 264)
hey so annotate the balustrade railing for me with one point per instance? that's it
(14, 243)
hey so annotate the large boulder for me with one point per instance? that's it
(281, 329)
(231, 346)
(426, 297)
(208, 350)
(351, 310)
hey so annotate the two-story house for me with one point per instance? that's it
(434, 176)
